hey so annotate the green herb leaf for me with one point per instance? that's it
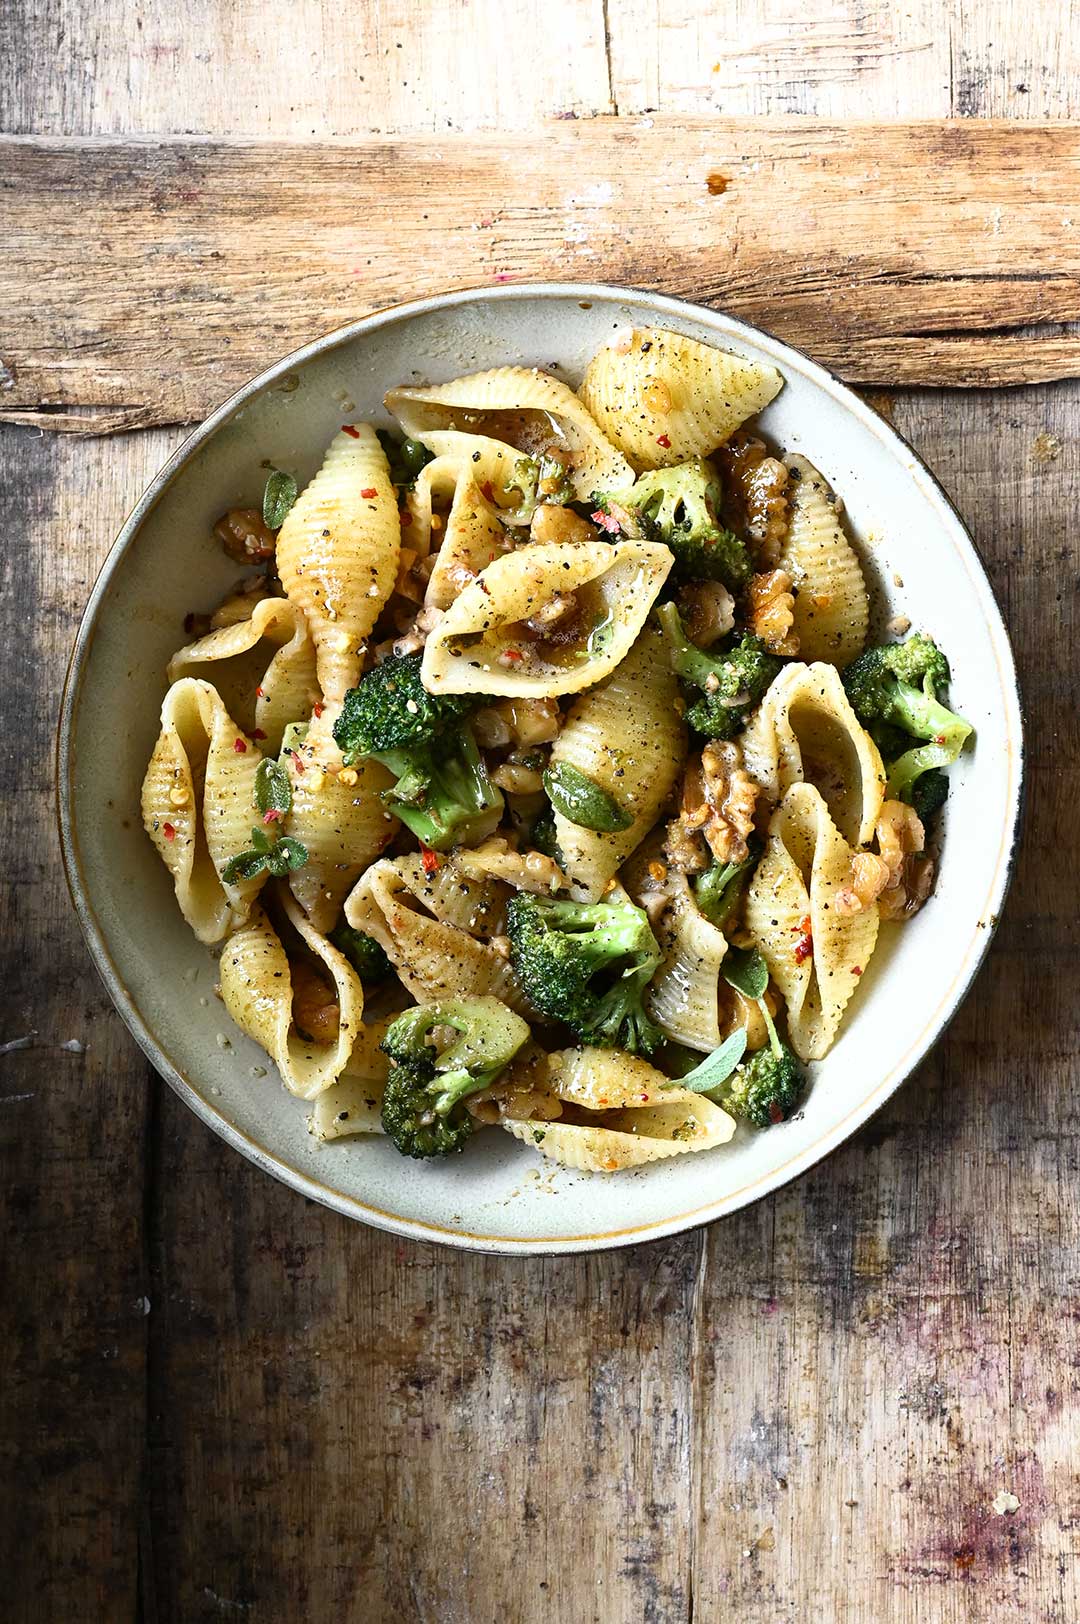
(289, 853)
(278, 497)
(273, 791)
(717, 1067)
(260, 840)
(579, 800)
(746, 971)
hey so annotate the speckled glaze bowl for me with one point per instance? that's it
(500, 1196)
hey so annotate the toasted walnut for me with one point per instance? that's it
(901, 840)
(708, 611)
(553, 523)
(739, 1012)
(315, 1009)
(417, 635)
(869, 877)
(555, 615)
(755, 492)
(518, 777)
(717, 814)
(521, 1091)
(244, 536)
(521, 722)
(771, 611)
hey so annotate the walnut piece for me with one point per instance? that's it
(315, 1010)
(901, 841)
(244, 536)
(755, 492)
(718, 801)
(771, 611)
(708, 611)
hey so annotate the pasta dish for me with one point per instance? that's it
(542, 772)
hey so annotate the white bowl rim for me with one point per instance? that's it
(661, 303)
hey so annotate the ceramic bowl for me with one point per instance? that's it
(500, 1196)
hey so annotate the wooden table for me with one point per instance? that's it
(857, 1400)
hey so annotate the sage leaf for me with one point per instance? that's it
(278, 497)
(717, 1067)
(746, 971)
(578, 799)
(273, 791)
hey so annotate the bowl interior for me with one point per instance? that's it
(500, 1195)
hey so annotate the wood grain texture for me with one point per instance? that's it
(165, 274)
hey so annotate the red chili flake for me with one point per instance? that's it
(804, 949)
(775, 1114)
(260, 692)
(368, 492)
(347, 428)
(317, 708)
(168, 831)
(606, 521)
(406, 518)
(664, 440)
(939, 738)
(486, 490)
(272, 815)
(430, 859)
(240, 747)
(257, 733)
(856, 969)
(297, 763)
(513, 654)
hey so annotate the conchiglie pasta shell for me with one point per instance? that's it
(663, 398)
(195, 761)
(462, 655)
(521, 408)
(832, 610)
(353, 1104)
(264, 692)
(627, 736)
(256, 989)
(631, 1137)
(344, 825)
(474, 537)
(606, 1079)
(807, 863)
(805, 728)
(432, 958)
(337, 554)
(683, 996)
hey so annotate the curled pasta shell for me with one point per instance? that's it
(662, 398)
(262, 693)
(683, 996)
(353, 1104)
(341, 820)
(607, 1080)
(257, 991)
(615, 588)
(805, 728)
(474, 537)
(198, 806)
(521, 409)
(337, 553)
(806, 864)
(629, 1136)
(433, 958)
(832, 610)
(627, 737)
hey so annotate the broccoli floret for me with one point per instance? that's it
(423, 1109)
(929, 793)
(406, 458)
(443, 792)
(729, 681)
(678, 506)
(719, 890)
(363, 952)
(767, 1088)
(587, 964)
(893, 690)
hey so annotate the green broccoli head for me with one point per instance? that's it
(719, 891)
(893, 691)
(432, 1075)
(724, 685)
(678, 506)
(929, 792)
(363, 952)
(587, 965)
(767, 1088)
(443, 792)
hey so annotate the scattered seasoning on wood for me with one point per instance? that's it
(717, 184)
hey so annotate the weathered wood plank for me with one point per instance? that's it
(73, 1094)
(163, 274)
(304, 70)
